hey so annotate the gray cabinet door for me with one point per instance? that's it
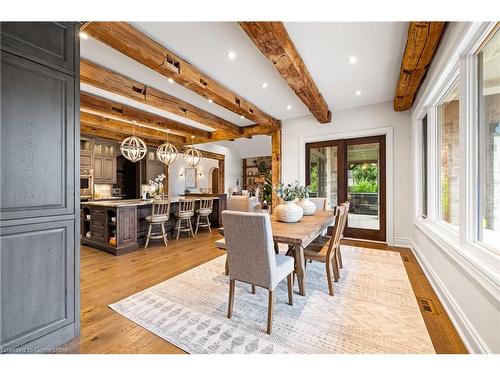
(49, 43)
(37, 285)
(109, 170)
(98, 169)
(37, 140)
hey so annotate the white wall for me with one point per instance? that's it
(457, 273)
(177, 183)
(351, 120)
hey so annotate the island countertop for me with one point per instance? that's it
(133, 202)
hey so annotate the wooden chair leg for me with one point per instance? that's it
(191, 228)
(335, 265)
(328, 265)
(178, 228)
(231, 299)
(226, 271)
(253, 289)
(164, 233)
(270, 310)
(197, 224)
(148, 236)
(339, 257)
(289, 280)
(208, 223)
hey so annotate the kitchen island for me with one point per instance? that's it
(120, 227)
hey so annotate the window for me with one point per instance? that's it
(449, 150)
(424, 167)
(489, 142)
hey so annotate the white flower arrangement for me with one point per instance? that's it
(156, 185)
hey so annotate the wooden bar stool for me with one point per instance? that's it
(159, 216)
(184, 214)
(205, 210)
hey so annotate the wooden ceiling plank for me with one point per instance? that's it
(131, 42)
(272, 39)
(127, 129)
(110, 109)
(116, 83)
(421, 45)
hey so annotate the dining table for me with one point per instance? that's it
(298, 236)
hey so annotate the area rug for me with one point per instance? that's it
(374, 310)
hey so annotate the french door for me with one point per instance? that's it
(351, 170)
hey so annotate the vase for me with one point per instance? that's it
(308, 207)
(289, 212)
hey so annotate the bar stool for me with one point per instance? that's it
(159, 216)
(185, 213)
(205, 210)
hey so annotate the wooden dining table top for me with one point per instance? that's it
(303, 232)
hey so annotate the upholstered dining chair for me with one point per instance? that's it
(320, 203)
(160, 213)
(251, 257)
(323, 249)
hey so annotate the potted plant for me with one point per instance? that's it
(308, 207)
(289, 211)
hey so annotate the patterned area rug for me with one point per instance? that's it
(373, 311)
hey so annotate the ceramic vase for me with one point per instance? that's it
(308, 207)
(289, 212)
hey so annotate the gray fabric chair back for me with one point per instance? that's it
(250, 247)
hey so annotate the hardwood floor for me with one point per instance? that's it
(106, 279)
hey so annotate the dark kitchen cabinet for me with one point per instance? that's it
(104, 162)
(86, 153)
(152, 166)
(40, 167)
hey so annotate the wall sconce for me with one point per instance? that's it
(181, 173)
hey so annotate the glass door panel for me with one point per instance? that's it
(323, 173)
(363, 186)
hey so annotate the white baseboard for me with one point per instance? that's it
(402, 242)
(466, 331)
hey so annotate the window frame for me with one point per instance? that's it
(462, 245)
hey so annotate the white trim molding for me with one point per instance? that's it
(389, 165)
(470, 337)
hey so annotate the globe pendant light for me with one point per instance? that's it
(192, 156)
(167, 153)
(133, 148)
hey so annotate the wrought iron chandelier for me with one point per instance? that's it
(133, 148)
(167, 153)
(192, 156)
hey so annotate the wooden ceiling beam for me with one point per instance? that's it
(131, 42)
(110, 109)
(272, 39)
(421, 45)
(105, 79)
(86, 129)
(127, 129)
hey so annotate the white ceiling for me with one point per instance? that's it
(324, 47)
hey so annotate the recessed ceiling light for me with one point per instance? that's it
(352, 60)
(288, 107)
(83, 35)
(231, 55)
(264, 85)
(171, 80)
(210, 101)
(358, 92)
